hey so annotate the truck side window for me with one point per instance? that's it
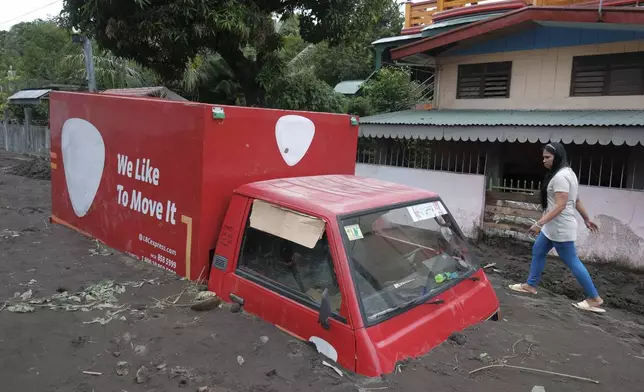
(290, 269)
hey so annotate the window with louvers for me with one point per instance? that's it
(486, 80)
(610, 74)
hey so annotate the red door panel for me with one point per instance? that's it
(297, 319)
(283, 287)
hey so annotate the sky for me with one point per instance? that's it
(16, 11)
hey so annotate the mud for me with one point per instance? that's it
(620, 287)
(152, 333)
(37, 168)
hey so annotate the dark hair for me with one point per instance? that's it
(560, 161)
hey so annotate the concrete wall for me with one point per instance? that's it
(540, 79)
(463, 194)
(620, 216)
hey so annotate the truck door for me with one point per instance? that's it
(283, 268)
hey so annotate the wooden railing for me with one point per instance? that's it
(420, 13)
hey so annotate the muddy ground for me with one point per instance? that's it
(173, 348)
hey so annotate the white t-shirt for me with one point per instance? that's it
(563, 227)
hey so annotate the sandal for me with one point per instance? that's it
(519, 287)
(584, 305)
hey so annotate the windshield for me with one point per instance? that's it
(403, 256)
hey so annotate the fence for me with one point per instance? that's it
(456, 157)
(24, 139)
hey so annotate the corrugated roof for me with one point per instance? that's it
(29, 94)
(348, 87)
(539, 118)
(453, 22)
(396, 39)
(160, 91)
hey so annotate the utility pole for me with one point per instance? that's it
(89, 60)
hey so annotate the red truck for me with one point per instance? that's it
(264, 205)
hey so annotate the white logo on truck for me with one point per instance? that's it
(83, 158)
(294, 135)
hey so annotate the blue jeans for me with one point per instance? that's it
(568, 254)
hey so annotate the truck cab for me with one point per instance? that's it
(369, 272)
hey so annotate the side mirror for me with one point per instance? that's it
(325, 310)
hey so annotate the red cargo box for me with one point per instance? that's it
(153, 178)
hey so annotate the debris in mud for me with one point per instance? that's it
(534, 371)
(38, 168)
(6, 234)
(485, 358)
(240, 360)
(538, 388)
(271, 373)
(98, 296)
(458, 338)
(26, 295)
(262, 341)
(140, 350)
(142, 375)
(207, 304)
(21, 308)
(122, 368)
(338, 371)
(203, 295)
(235, 308)
(100, 250)
(78, 341)
(203, 389)
(30, 210)
(179, 371)
(109, 316)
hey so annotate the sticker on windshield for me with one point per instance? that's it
(353, 232)
(426, 211)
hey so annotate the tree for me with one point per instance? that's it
(165, 35)
(390, 90)
(41, 54)
(353, 59)
(303, 91)
(36, 51)
(208, 78)
(110, 71)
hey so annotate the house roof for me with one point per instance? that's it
(578, 126)
(348, 87)
(29, 97)
(156, 91)
(623, 16)
(539, 118)
(435, 28)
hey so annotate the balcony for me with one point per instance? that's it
(422, 13)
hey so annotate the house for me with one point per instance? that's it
(504, 86)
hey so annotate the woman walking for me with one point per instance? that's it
(558, 227)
